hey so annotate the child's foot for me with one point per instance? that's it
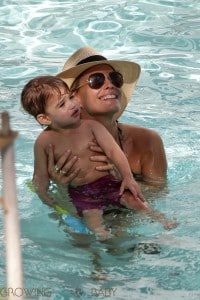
(103, 234)
(168, 224)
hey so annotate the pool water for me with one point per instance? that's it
(143, 261)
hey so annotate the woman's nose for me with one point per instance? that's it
(108, 81)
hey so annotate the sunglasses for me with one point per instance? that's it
(97, 80)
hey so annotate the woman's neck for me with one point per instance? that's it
(108, 121)
(111, 125)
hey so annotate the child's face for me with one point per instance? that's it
(62, 110)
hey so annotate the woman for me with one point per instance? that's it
(91, 77)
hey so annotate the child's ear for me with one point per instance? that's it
(43, 119)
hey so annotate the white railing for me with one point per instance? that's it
(10, 208)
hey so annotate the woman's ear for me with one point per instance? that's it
(43, 119)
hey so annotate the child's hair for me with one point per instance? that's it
(37, 91)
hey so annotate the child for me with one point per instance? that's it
(47, 99)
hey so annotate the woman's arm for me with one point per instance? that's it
(154, 162)
(146, 154)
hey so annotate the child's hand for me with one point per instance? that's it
(137, 199)
(131, 202)
(131, 185)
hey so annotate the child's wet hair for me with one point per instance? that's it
(37, 91)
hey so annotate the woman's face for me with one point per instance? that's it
(103, 101)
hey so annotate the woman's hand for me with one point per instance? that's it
(107, 165)
(61, 172)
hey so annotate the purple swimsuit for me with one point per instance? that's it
(96, 195)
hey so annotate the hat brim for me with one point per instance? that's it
(129, 70)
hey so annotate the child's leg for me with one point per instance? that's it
(94, 221)
(161, 218)
(129, 201)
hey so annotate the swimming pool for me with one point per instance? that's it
(163, 36)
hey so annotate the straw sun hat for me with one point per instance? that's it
(86, 57)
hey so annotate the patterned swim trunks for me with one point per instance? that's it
(96, 195)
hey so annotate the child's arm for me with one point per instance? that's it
(116, 155)
(40, 175)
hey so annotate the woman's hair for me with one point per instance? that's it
(37, 91)
(75, 84)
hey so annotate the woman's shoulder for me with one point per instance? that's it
(139, 133)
